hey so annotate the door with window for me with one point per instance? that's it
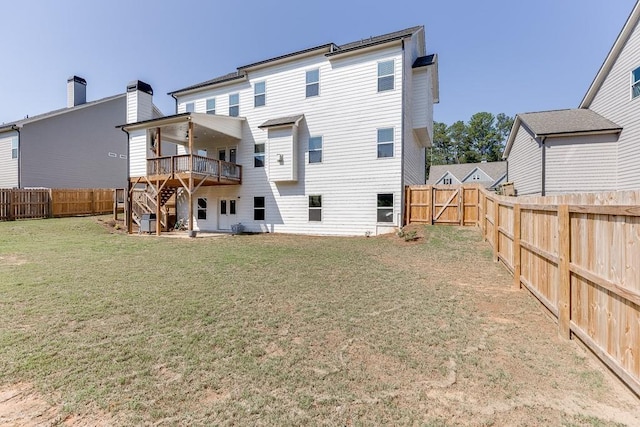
(226, 214)
(228, 154)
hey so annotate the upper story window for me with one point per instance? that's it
(14, 147)
(385, 142)
(190, 107)
(635, 83)
(315, 149)
(211, 106)
(258, 155)
(313, 83)
(259, 94)
(234, 105)
(385, 76)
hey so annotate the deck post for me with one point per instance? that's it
(191, 179)
(158, 211)
(128, 201)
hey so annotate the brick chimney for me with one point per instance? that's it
(76, 91)
(139, 101)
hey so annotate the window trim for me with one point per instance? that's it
(384, 76)
(236, 105)
(308, 84)
(262, 94)
(257, 154)
(201, 209)
(257, 208)
(392, 142)
(15, 148)
(635, 83)
(316, 150)
(210, 110)
(385, 208)
(315, 208)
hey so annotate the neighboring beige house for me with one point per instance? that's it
(489, 174)
(595, 147)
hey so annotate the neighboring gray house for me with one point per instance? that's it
(489, 174)
(595, 147)
(74, 147)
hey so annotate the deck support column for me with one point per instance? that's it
(158, 210)
(190, 179)
(129, 206)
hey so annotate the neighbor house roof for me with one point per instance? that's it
(22, 122)
(611, 58)
(495, 170)
(330, 48)
(560, 123)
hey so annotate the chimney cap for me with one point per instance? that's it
(77, 80)
(141, 86)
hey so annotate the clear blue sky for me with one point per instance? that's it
(506, 56)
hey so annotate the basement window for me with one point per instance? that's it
(385, 207)
(635, 83)
(202, 208)
(315, 208)
(258, 208)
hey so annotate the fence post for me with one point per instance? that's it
(430, 202)
(517, 267)
(484, 217)
(564, 255)
(93, 202)
(496, 232)
(50, 204)
(11, 200)
(461, 205)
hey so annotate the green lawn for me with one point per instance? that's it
(282, 330)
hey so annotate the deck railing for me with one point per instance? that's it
(194, 164)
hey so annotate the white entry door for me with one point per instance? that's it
(226, 213)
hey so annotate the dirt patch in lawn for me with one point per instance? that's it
(12, 260)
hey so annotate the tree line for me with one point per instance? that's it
(482, 138)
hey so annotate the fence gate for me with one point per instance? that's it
(444, 204)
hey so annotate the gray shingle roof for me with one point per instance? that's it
(493, 169)
(281, 121)
(559, 122)
(334, 50)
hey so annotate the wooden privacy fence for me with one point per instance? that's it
(442, 204)
(46, 203)
(579, 255)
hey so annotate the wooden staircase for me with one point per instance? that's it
(144, 202)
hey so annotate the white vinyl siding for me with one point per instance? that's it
(349, 177)
(613, 101)
(525, 163)
(580, 164)
(8, 165)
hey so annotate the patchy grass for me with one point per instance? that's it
(280, 329)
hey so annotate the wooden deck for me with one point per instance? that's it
(177, 171)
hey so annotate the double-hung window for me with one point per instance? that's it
(315, 208)
(313, 83)
(385, 76)
(202, 208)
(635, 83)
(234, 105)
(315, 149)
(385, 142)
(258, 155)
(211, 106)
(385, 207)
(190, 107)
(259, 94)
(258, 209)
(14, 147)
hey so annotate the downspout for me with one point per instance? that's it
(128, 217)
(17, 129)
(402, 141)
(176, 100)
(544, 171)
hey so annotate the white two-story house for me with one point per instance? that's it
(319, 141)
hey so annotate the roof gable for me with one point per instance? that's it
(616, 49)
(459, 172)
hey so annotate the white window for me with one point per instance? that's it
(313, 83)
(258, 209)
(385, 142)
(259, 94)
(385, 76)
(202, 208)
(635, 83)
(258, 155)
(315, 149)
(234, 105)
(385, 207)
(315, 208)
(211, 106)
(14, 147)
(189, 107)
